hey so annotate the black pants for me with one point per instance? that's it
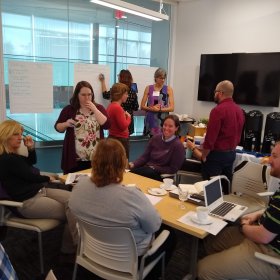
(218, 163)
(147, 171)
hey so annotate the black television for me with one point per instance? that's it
(256, 77)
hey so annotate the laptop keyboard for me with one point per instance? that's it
(223, 209)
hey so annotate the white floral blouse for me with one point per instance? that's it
(87, 135)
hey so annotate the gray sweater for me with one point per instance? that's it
(116, 205)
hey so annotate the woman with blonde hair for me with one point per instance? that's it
(23, 183)
(120, 119)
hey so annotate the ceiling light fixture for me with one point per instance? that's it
(132, 9)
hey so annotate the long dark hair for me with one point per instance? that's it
(74, 101)
(125, 77)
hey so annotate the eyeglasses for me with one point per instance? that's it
(217, 90)
(85, 94)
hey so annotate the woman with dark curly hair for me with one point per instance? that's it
(84, 121)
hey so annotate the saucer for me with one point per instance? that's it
(157, 191)
(171, 188)
(206, 222)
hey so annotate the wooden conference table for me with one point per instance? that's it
(169, 211)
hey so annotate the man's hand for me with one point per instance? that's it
(251, 218)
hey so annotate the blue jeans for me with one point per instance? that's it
(218, 163)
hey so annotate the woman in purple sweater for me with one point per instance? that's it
(164, 154)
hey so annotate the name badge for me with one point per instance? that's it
(155, 93)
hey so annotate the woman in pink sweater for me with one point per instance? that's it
(119, 118)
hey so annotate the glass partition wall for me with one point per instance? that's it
(65, 32)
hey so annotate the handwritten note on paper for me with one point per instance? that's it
(90, 73)
(143, 76)
(215, 227)
(30, 87)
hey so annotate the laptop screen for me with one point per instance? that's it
(212, 190)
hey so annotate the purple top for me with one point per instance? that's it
(69, 156)
(165, 157)
(224, 127)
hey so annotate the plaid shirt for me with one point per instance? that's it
(7, 271)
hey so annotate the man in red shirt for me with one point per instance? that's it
(223, 133)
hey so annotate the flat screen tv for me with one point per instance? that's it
(256, 77)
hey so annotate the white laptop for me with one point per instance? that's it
(216, 205)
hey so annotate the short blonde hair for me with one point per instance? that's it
(108, 162)
(7, 129)
(118, 90)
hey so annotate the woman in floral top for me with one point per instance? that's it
(84, 121)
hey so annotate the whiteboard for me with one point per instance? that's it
(143, 76)
(30, 87)
(90, 73)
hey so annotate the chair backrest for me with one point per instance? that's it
(4, 196)
(50, 276)
(250, 178)
(110, 247)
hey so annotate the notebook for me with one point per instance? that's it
(217, 207)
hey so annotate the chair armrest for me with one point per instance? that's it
(11, 203)
(166, 175)
(195, 161)
(158, 242)
(267, 258)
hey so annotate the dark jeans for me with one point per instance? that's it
(147, 171)
(218, 163)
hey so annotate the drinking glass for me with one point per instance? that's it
(183, 196)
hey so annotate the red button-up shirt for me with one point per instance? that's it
(224, 127)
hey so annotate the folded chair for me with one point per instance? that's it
(110, 252)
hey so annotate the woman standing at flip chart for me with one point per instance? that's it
(131, 104)
(84, 121)
(157, 101)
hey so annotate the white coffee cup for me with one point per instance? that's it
(202, 213)
(168, 182)
(198, 140)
